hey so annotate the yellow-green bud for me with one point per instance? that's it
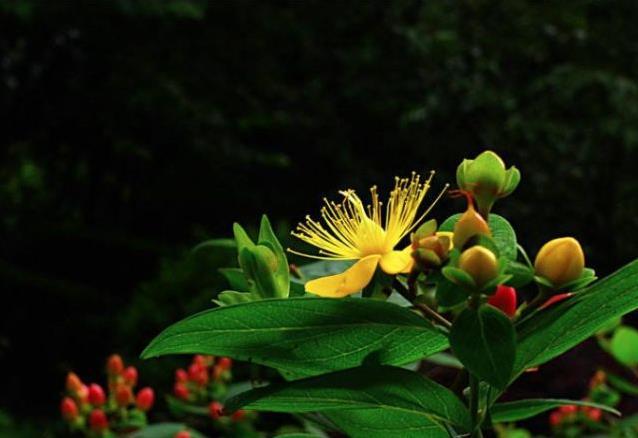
(560, 261)
(486, 179)
(469, 224)
(431, 251)
(480, 263)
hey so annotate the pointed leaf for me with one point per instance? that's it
(523, 409)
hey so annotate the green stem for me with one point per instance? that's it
(474, 407)
(410, 295)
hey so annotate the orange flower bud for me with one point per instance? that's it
(68, 409)
(73, 383)
(96, 395)
(469, 224)
(114, 365)
(145, 399)
(225, 363)
(480, 263)
(504, 299)
(560, 261)
(123, 396)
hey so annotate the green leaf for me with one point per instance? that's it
(215, 243)
(521, 274)
(502, 233)
(458, 277)
(484, 341)
(622, 384)
(282, 273)
(449, 294)
(396, 391)
(230, 297)
(304, 335)
(624, 345)
(379, 423)
(236, 279)
(523, 409)
(555, 330)
(241, 238)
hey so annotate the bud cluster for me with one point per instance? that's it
(89, 409)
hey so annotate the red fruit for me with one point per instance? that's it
(504, 299)
(238, 415)
(181, 391)
(568, 409)
(82, 394)
(215, 410)
(145, 399)
(203, 361)
(96, 395)
(181, 375)
(68, 409)
(555, 418)
(225, 363)
(98, 420)
(73, 383)
(130, 376)
(555, 299)
(198, 374)
(114, 365)
(123, 395)
(183, 434)
(594, 414)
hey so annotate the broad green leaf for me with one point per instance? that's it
(622, 385)
(216, 243)
(381, 423)
(297, 435)
(445, 360)
(304, 335)
(394, 390)
(165, 430)
(523, 409)
(624, 345)
(484, 341)
(502, 233)
(521, 274)
(555, 330)
(449, 294)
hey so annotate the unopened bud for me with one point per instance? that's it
(123, 396)
(594, 414)
(181, 391)
(225, 363)
(96, 395)
(560, 261)
(130, 376)
(98, 420)
(68, 409)
(181, 375)
(145, 399)
(504, 299)
(470, 224)
(183, 434)
(486, 179)
(114, 365)
(215, 410)
(480, 263)
(73, 383)
(198, 374)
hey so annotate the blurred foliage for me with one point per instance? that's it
(134, 129)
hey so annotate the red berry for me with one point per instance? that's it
(130, 376)
(225, 363)
(568, 409)
(181, 391)
(123, 395)
(183, 434)
(98, 420)
(96, 395)
(198, 374)
(555, 418)
(68, 409)
(73, 383)
(181, 375)
(114, 365)
(145, 398)
(594, 414)
(504, 299)
(238, 415)
(215, 410)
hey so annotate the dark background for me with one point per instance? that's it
(132, 130)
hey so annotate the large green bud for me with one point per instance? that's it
(486, 179)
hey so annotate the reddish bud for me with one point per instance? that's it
(181, 391)
(198, 374)
(145, 399)
(225, 363)
(215, 410)
(568, 409)
(555, 418)
(203, 361)
(123, 396)
(96, 395)
(594, 414)
(98, 420)
(114, 365)
(555, 299)
(68, 409)
(238, 415)
(73, 383)
(504, 299)
(130, 376)
(181, 375)
(82, 394)
(183, 434)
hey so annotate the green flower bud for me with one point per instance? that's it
(486, 179)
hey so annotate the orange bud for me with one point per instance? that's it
(469, 224)
(225, 363)
(114, 365)
(73, 383)
(480, 263)
(123, 396)
(560, 261)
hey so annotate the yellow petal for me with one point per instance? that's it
(410, 265)
(449, 235)
(349, 282)
(395, 262)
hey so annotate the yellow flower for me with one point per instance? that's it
(367, 234)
